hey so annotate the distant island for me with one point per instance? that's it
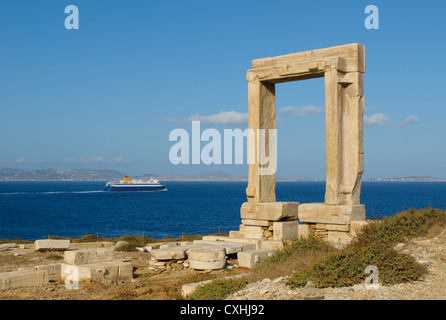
(411, 178)
(10, 174)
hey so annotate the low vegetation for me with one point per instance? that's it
(325, 266)
(218, 289)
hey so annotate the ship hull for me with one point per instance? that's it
(134, 188)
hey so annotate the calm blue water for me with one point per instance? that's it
(33, 210)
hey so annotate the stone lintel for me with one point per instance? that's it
(353, 54)
(330, 214)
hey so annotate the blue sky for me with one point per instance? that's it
(106, 96)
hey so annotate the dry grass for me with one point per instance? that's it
(294, 256)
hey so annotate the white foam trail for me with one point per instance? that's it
(50, 192)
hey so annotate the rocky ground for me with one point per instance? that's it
(147, 285)
(431, 252)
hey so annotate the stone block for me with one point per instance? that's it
(245, 234)
(170, 253)
(356, 226)
(259, 223)
(208, 254)
(272, 211)
(339, 237)
(6, 246)
(256, 242)
(333, 227)
(25, 278)
(272, 244)
(52, 245)
(97, 271)
(207, 265)
(88, 256)
(150, 247)
(54, 270)
(252, 231)
(78, 273)
(286, 230)
(168, 245)
(230, 247)
(118, 269)
(249, 259)
(330, 214)
(304, 230)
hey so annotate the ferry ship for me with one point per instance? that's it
(129, 185)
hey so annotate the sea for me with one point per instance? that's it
(37, 210)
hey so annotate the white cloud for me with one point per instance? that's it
(301, 111)
(379, 119)
(409, 120)
(222, 118)
(97, 159)
(119, 160)
(23, 160)
(85, 160)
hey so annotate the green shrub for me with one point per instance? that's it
(292, 256)
(129, 247)
(218, 289)
(86, 238)
(347, 267)
(374, 246)
(54, 257)
(401, 227)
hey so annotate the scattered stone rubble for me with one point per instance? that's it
(211, 253)
(94, 264)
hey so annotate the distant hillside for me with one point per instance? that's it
(411, 178)
(8, 174)
(213, 176)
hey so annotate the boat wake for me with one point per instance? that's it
(50, 192)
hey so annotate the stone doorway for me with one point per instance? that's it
(343, 69)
